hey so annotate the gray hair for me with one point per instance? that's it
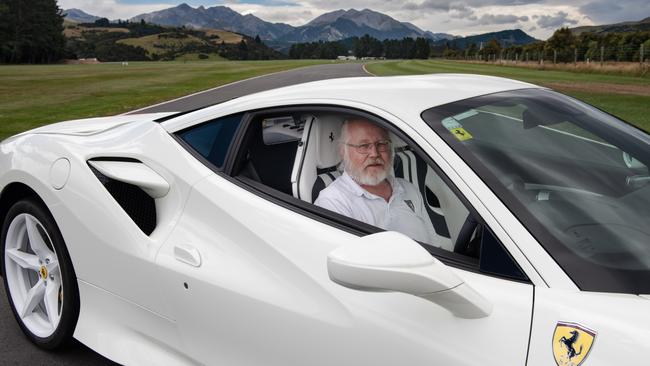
(343, 141)
(343, 138)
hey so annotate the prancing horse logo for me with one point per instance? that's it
(568, 342)
(571, 343)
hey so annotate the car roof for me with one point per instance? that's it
(392, 93)
(418, 91)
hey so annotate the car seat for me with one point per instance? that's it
(317, 157)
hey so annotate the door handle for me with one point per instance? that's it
(187, 254)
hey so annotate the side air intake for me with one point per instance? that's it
(134, 186)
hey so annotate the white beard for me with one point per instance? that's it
(363, 177)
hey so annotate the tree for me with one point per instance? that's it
(472, 50)
(258, 40)
(593, 51)
(102, 22)
(562, 43)
(362, 46)
(5, 31)
(314, 50)
(392, 48)
(31, 31)
(422, 48)
(408, 48)
(491, 49)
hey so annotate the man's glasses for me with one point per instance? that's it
(381, 146)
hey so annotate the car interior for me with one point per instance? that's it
(271, 144)
(297, 154)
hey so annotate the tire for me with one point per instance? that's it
(38, 275)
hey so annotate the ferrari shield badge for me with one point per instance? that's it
(571, 343)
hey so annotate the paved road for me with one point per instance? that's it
(15, 349)
(237, 89)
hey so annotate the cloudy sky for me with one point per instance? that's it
(539, 18)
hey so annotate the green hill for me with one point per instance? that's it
(642, 25)
(506, 38)
(126, 41)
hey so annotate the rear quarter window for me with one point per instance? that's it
(212, 139)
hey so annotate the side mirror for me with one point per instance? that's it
(390, 261)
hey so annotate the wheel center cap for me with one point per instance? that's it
(43, 272)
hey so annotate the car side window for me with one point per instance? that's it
(212, 139)
(268, 149)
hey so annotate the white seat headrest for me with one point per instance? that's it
(396, 141)
(327, 131)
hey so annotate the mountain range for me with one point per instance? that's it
(79, 16)
(341, 24)
(217, 17)
(332, 26)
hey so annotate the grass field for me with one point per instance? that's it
(627, 97)
(195, 57)
(35, 95)
(31, 96)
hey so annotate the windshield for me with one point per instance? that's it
(576, 177)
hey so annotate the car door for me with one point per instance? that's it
(245, 271)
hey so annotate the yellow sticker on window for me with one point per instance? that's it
(460, 134)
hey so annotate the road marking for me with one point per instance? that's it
(366, 70)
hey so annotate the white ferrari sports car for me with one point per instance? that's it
(193, 238)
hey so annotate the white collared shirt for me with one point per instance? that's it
(404, 212)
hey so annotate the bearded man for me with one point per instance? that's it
(367, 190)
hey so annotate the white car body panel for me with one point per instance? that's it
(267, 286)
(619, 320)
(230, 277)
(119, 247)
(90, 126)
(126, 332)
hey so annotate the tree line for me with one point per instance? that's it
(562, 46)
(366, 46)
